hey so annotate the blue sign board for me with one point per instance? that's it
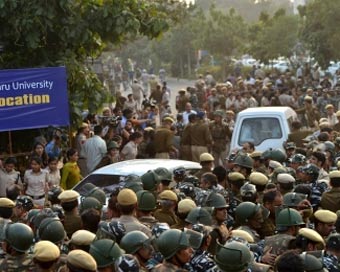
(33, 98)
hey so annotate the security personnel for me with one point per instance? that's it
(6, 212)
(23, 204)
(51, 229)
(200, 137)
(81, 239)
(183, 209)
(90, 203)
(173, 244)
(207, 163)
(285, 183)
(330, 200)
(138, 244)
(310, 112)
(105, 252)
(260, 181)
(324, 222)
(248, 193)
(243, 164)
(18, 239)
(165, 178)
(258, 165)
(168, 202)
(78, 260)
(221, 135)
(199, 215)
(150, 181)
(220, 231)
(236, 251)
(201, 260)
(288, 222)
(311, 263)
(46, 256)
(236, 181)
(164, 139)
(69, 202)
(146, 204)
(250, 217)
(309, 240)
(127, 204)
(96, 192)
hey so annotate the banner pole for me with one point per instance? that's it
(10, 142)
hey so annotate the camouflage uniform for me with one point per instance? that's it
(317, 190)
(330, 262)
(168, 267)
(279, 243)
(201, 261)
(234, 201)
(20, 263)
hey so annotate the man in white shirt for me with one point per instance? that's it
(187, 112)
(94, 149)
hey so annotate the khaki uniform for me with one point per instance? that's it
(72, 223)
(331, 200)
(220, 135)
(185, 143)
(297, 136)
(200, 139)
(201, 172)
(168, 267)
(312, 116)
(148, 221)
(181, 102)
(163, 139)
(180, 224)
(278, 243)
(20, 263)
(166, 216)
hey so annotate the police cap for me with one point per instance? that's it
(325, 216)
(168, 194)
(46, 251)
(6, 203)
(258, 178)
(68, 196)
(82, 238)
(80, 259)
(127, 197)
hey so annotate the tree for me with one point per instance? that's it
(273, 37)
(320, 30)
(37, 33)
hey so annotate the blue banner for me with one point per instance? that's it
(33, 98)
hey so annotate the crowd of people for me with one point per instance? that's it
(244, 210)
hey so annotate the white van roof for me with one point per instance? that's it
(287, 111)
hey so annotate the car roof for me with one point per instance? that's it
(141, 166)
(287, 111)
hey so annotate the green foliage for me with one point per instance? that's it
(320, 30)
(38, 33)
(273, 37)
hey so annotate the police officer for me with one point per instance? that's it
(288, 222)
(183, 209)
(250, 218)
(81, 239)
(46, 256)
(175, 247)
(127, 203)
(138, 244)
(105, 252)
(18, 238)
(285, 183)
(236, 251)
(78, 260)
(236, 181)
(164, 139)
(146, 204)
(221, 136)
(330, 199)
(309, 240)
(207, 163)
(69, 202)
(168, 202)
(6, 212)
(324, 222)
(260, 181)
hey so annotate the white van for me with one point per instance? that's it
(266, 127)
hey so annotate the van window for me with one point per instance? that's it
(257, 130)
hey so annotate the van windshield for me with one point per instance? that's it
(257, 130)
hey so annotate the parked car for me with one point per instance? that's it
(282, 66)
(266, 127)
(109, 177)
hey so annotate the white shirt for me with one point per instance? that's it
(129, 151)
(186, 116)
(94, 150)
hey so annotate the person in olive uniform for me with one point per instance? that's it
(207, 163)
(330, 200)
(221, 135)
(311, 113)
(168, 202)
(69, 202)
(164, 139)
